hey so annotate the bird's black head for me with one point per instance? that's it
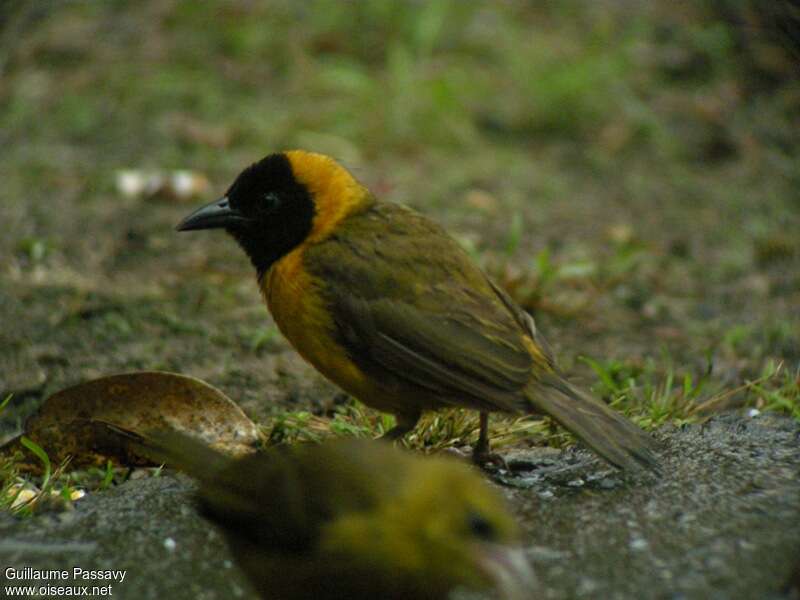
(266, 209)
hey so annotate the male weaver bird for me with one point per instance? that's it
(384, 303)
(354, 519)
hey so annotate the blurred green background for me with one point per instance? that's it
(630, 171)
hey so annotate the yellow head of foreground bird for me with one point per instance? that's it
(354, 519)
(384, 303)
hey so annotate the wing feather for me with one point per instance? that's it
(424, 313)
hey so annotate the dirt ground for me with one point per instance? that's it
(631, 176)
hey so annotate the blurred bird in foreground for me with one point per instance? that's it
(384, 303)
(354, 519)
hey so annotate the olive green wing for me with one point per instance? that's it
(528, 325)
(410, 305)
(444, 355)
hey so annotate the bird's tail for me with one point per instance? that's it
(186, 453)
(605, 431)
(173, 448)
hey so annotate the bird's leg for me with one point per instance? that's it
(405, 423)
(481, 453)
(481, 449)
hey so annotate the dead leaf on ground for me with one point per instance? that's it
(84, 421)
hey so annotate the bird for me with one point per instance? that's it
(353, 519)
(388, 306)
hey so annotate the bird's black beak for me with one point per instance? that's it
(216, 215)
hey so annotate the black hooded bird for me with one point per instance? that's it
(384, 303)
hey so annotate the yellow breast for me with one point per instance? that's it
(296, 304)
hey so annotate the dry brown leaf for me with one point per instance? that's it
(83, 421)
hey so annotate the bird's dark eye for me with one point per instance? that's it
(271, 201)
(481, 527)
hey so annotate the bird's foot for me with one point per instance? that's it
(488, 460)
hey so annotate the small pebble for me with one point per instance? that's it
(170, 544)
(639, 544)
